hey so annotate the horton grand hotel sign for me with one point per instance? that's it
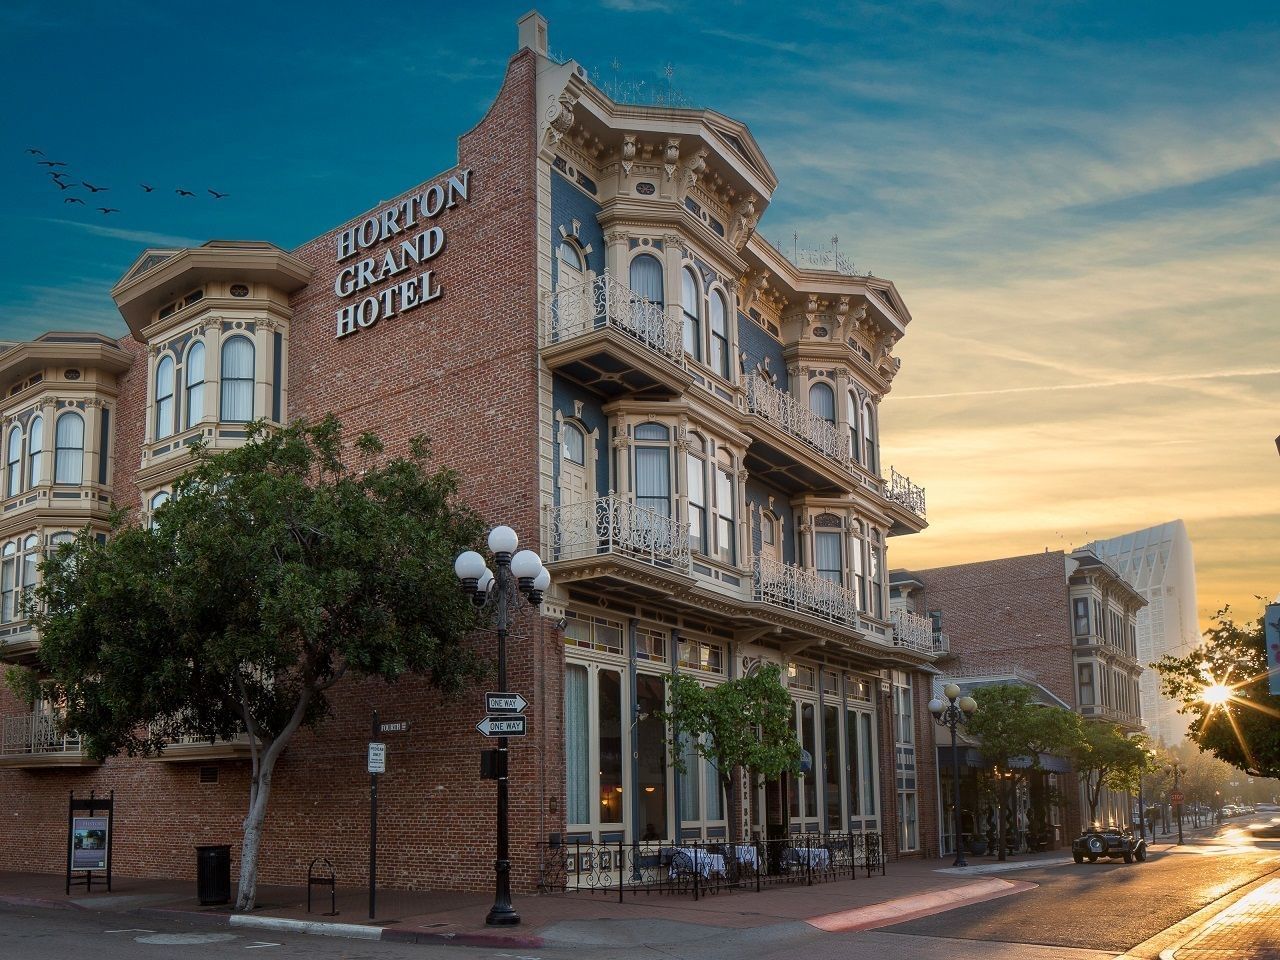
(375, 287)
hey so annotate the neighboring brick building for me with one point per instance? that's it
(681, 421)
(1063, 624)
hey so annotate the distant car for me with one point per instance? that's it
(1110, 842)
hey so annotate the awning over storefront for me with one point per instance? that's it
(972, 757)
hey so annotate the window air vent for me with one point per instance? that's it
(208, 774)
(239, 290)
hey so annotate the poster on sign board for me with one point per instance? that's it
(89, 843)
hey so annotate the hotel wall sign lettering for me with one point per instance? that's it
(368, 282)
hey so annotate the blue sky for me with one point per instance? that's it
(1077, 200)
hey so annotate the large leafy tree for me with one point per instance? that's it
(745, 723)
(1245, 729)
(1104, 756)
(276, 570)
(1012, 727)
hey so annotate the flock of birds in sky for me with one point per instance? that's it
(64, 181)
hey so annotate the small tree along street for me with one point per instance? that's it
(1011, 727)
(1244, 730)
(276, 570)
(1104, 756)
(745, 723)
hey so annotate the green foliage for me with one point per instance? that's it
(746, 722)
(1105, 756)
(275, 570)
(1245, 731)
(1010, 725)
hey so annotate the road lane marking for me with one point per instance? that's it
(259, 945)
(131, 930)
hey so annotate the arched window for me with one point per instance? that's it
(851, 414)
(574, 444)
(822, 401)
(653, 468)
(869, 436)
(193, 378)
(875, 564)
(154, 504)
(68, 460)
(13, 462)
(646, 278)
(164, 397)
(35, 447)
(719, 334)
(726, 508)
(9, 582)
(689, 309)
(696, 467)
(237, 380)
(570, 265)
(859, 576)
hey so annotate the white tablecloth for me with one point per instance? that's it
(697, 859)
(747, 854)
(819, 858)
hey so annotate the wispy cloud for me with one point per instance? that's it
(639, 6)
(132, 236)
(1097, 384)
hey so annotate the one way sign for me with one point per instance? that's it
(504, 703)
(502, 726)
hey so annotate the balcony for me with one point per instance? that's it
(616, 542)
(906, 503)
(34, 740)
(18, 642)
(606, 337)
(802, 590)
(916, 633)
(202, 748)
(801, 451)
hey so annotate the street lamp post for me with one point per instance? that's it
(524, 571)
(1177, 769)
(1142, 803)
(954, 712)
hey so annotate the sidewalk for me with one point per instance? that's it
(1249, 929)
(912, 888)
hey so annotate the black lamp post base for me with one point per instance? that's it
(960, 861)
(502, 916)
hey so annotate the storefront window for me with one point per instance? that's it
(651, 741)
(831, 764)
(610, 745)
(576, 745)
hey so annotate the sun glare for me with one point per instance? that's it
(1216, 694)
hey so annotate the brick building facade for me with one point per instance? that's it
(682, 423)
(1062, 624)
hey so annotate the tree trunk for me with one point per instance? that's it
(259, 795)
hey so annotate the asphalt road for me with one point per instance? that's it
(1109, 905)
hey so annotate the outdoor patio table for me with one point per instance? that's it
(819, 858)
(746, 853)
(698, 859)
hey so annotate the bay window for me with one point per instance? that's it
(193, 377)
(653, 468)
(68, 459)
(237, 380)
(646, 278)
(822, 401)
(696, 470)
(827, 550)
(726, 497)
(13, 462)
(35, 445)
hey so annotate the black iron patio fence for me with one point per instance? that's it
(699, 867)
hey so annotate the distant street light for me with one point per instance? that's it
(953, 713)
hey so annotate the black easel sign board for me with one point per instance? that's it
(89, 822)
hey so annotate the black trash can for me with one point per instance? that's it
(213, 874)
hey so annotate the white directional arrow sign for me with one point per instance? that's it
(504, 703)
(502, 726)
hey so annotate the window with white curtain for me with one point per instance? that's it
(30, 568)
(690, 782)
(193, 378)
(9, 582)
(35, 447)
(577, 746)
(13, 462)
(719, 334)
(875, 558)
(653, 468)
(726, 508)
(574, 444)
(68, 459)
(859, 575)
(164, 397)
(822, 401)
(869, 437)
(827, 559)
(646, 278)
(852, 415)
(696, 469)
(237, 380)
(689, 300)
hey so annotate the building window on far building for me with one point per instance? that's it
(1085, 674)
(68, 459)
(1080, 616)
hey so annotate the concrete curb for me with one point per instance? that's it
(319, 928)
(921, 905)
(408, 935)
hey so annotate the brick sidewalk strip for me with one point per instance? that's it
(1247, 930)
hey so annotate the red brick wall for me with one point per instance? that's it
(1006, 612)
(463, 371)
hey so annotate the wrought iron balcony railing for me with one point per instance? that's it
(604, 303)
(803, 590)
(914, 632)
(792, 416)
(900, 489)
(615, 525)
(36, 733)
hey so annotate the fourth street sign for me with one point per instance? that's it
(502, 726)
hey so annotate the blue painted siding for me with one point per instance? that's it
(758, 495)
(568, 203)
(563, 395)
(757, 345)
